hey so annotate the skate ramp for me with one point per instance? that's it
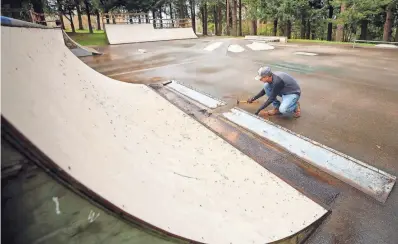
(77, 49)
(132, 33)
(132, 149)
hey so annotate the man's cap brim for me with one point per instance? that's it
(257, 77)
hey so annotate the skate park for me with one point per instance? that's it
(332, 79)
(343, 109)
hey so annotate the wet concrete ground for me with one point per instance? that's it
(349, 103)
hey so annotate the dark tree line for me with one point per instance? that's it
(339, 20)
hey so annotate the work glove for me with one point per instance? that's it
(250, 100)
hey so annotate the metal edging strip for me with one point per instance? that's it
(360, 175)
(195, 95)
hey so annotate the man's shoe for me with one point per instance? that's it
(270, 112)
(297, 113)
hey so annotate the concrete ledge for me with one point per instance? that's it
(362, 176)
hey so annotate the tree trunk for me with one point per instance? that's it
(330, 24)
(205, 8)
(240, 18)
(61, 18)
(289, 29)
(215, 17)
(302, 27)
(107, 17)
(171, 15)
(87, 6)
(154, 18)
(340, 27)
(219, 10)
(204, 18)
(193, 15)
(234, 15)
(160, 17)
(388, 24)
(227, 19)
(396, 34)
(79, 15)
(98, 19)
(275, 27)
(71, 22)
(186, 10)
(60, 14)
(181, 9)
(308, 30)
(364, 29)
(253, 27)
(171, 10)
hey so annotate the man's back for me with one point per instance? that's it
(290, 84)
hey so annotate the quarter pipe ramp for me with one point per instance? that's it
(132, 33)
(129, 146)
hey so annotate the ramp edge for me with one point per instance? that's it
(35, 155)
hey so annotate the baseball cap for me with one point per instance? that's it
(263, 71)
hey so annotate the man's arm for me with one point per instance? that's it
(260, 94)
(274, 93)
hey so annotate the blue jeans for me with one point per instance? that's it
(289, 102)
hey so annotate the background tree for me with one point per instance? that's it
(79, 13)
(87, 7)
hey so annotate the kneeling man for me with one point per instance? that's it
(278, 84)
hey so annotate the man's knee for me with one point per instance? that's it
(287, 110)
(283, 109)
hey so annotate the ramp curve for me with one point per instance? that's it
(133, 33)
(130, 146)
(77, 49)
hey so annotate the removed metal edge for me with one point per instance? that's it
(368, 188)
(204, 99)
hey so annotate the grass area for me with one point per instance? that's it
(85, 31)
(328, 42)
(83, 37)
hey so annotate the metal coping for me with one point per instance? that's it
(198, 96)
(380, 192)
(6, 21)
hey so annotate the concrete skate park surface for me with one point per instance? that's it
(349, 103)
(172, 173)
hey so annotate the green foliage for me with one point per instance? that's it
(309, 16)
(98, 38)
